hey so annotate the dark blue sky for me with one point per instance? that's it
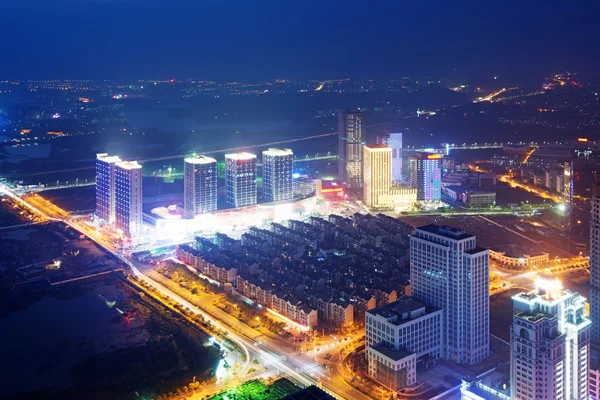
(250, 39)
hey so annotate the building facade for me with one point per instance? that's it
(595, 259)
(199, 185)
(377, 173)
(352, 138)
(400, 335)
(128, 198)
(395, 143)
(448, 271)
(550, 343)
(277, 174)
(426, 176)
(105, 187)
(240, 179)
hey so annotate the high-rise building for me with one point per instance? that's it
(549, 343)
(595, 260)
(426, 176)
(377, 172)
(199, 185)
(395, 143)
(240, 179)
(449, 271)
(400, 336)
(277, 174)
(128, 198)
(105, 187)
(352, 138)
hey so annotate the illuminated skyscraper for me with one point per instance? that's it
(549, 343)
(128, 198)
(395, 143)
(277, 174)
(240, 179)
(377, 167)
(105, 187)
(199, 185)
(449, 271)
(595, 260)
(426, 176)
(352, 137)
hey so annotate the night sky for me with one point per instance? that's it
(255, 39)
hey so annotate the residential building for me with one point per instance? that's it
(400, 335)
(550, 343)
(450, 272)
(277, 174)
(105, 187)
(426, 176)
(352, 138)
(128, 198)
(240, 179)
(199, 185)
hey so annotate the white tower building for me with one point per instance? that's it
(240, 179)
(105, 187)
(128, 198)
(550, 343)
(448, 271)
(199, 185)
(277, 174)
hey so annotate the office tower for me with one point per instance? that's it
(352, 137)
(240, 179)
(395, 143)
(448, 271)
(199, 185)
(105, 187)
(400, 335)
(549, 343)
(595, 260)
(277, 174)
(377, 167)
(383, 139)
(426, 176)
(128, 198)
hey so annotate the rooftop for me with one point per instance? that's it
(379, 147)
(129, 165)
(240, 156)
(106, 158)
(391, 353)
(200, 160)
(277, 152)
(445, 231)
(399, 308)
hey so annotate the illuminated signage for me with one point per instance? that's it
(582, 139)
(434, 156)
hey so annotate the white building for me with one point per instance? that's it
(550, 343)
(448, 271)
(352, 137)
(398, 336)
(199, 185)
(426, 176)
(105, 187)
(277, 174)
(240, 179)
(395, 143)
(128, 198)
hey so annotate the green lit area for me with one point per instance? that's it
(221, 169)
(258, 390)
